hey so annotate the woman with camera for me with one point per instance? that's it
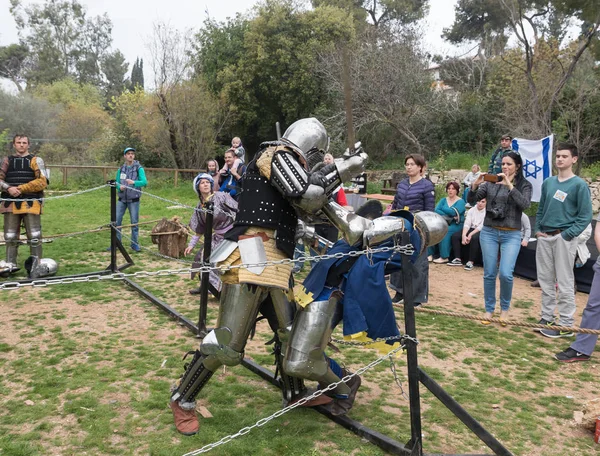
(508, 194)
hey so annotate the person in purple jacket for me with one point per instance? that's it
(415, 193)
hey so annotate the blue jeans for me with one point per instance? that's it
(508, 243)
(134, 215)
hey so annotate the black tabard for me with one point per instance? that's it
(261, 205)
(20, 172)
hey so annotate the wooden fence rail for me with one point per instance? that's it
(112, 168)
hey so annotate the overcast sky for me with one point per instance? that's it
(133, 19)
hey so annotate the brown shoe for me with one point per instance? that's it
(343, 406)
(186, 421)
(323, 399)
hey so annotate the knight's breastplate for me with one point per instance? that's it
(260, 204)
(19, 170)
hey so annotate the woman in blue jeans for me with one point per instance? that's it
(501, 233)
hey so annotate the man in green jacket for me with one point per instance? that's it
(565, 210)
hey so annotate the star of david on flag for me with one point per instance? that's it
(537, 161)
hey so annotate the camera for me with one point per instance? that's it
(496, 212)
(491, 178)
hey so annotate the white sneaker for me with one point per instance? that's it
(469, 266)
(455, 262)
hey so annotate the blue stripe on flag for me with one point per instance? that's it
(545, 151)
(515, 145)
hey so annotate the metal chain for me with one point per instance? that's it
(363, 344)
(157, 254)
(215, 211)
(396, 379)
(405, 249)
(301, 402)
(69, 195)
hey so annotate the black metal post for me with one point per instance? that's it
(411, 353)
(113, 223)
(202, 331)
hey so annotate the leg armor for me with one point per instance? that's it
(292, 387)
(12, 226)
(33, 228)
(311, 332)
(225, 344)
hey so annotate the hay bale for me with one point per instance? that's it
(171, 237)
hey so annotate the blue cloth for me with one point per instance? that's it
(371, 311)
(134, 215)
(508, 243)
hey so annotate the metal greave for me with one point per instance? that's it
(225, 344)
(311, 332)
(12, 225)
(33, 228)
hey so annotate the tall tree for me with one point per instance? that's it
(191, 116)
(264, 68)
(114, 68)
(62, 40)
(537, 26)
(380, 12)
(137, 74)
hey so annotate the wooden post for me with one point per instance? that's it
(176, 177)
(65, 175)
(104, 174)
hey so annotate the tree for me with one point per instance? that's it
(380, 12)
(538, 26)
(12, 63)
(26, 113)
(191, 116)
(265, 68)
(137, 74)
(114, 68)
(396, 99)
(62, 40)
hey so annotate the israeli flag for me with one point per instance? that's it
(537, 161)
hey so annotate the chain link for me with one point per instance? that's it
(301, 402)
(157, 254)
(69, 195)
(216, 211)
(405, 249)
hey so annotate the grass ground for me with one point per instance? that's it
(86, 368)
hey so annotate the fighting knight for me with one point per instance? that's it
(278, 188)
(23, 179)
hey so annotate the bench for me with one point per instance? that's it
(390, 184)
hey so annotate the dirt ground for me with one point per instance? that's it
(451, 288)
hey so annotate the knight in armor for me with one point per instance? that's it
(278, 189)
(23, 178)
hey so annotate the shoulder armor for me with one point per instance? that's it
(287, 174)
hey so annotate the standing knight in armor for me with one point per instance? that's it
(23, 177)
(277, 190)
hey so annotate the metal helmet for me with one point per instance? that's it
(40, 268)
(432, 228)
(307, 134)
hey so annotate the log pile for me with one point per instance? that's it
(171, 237)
